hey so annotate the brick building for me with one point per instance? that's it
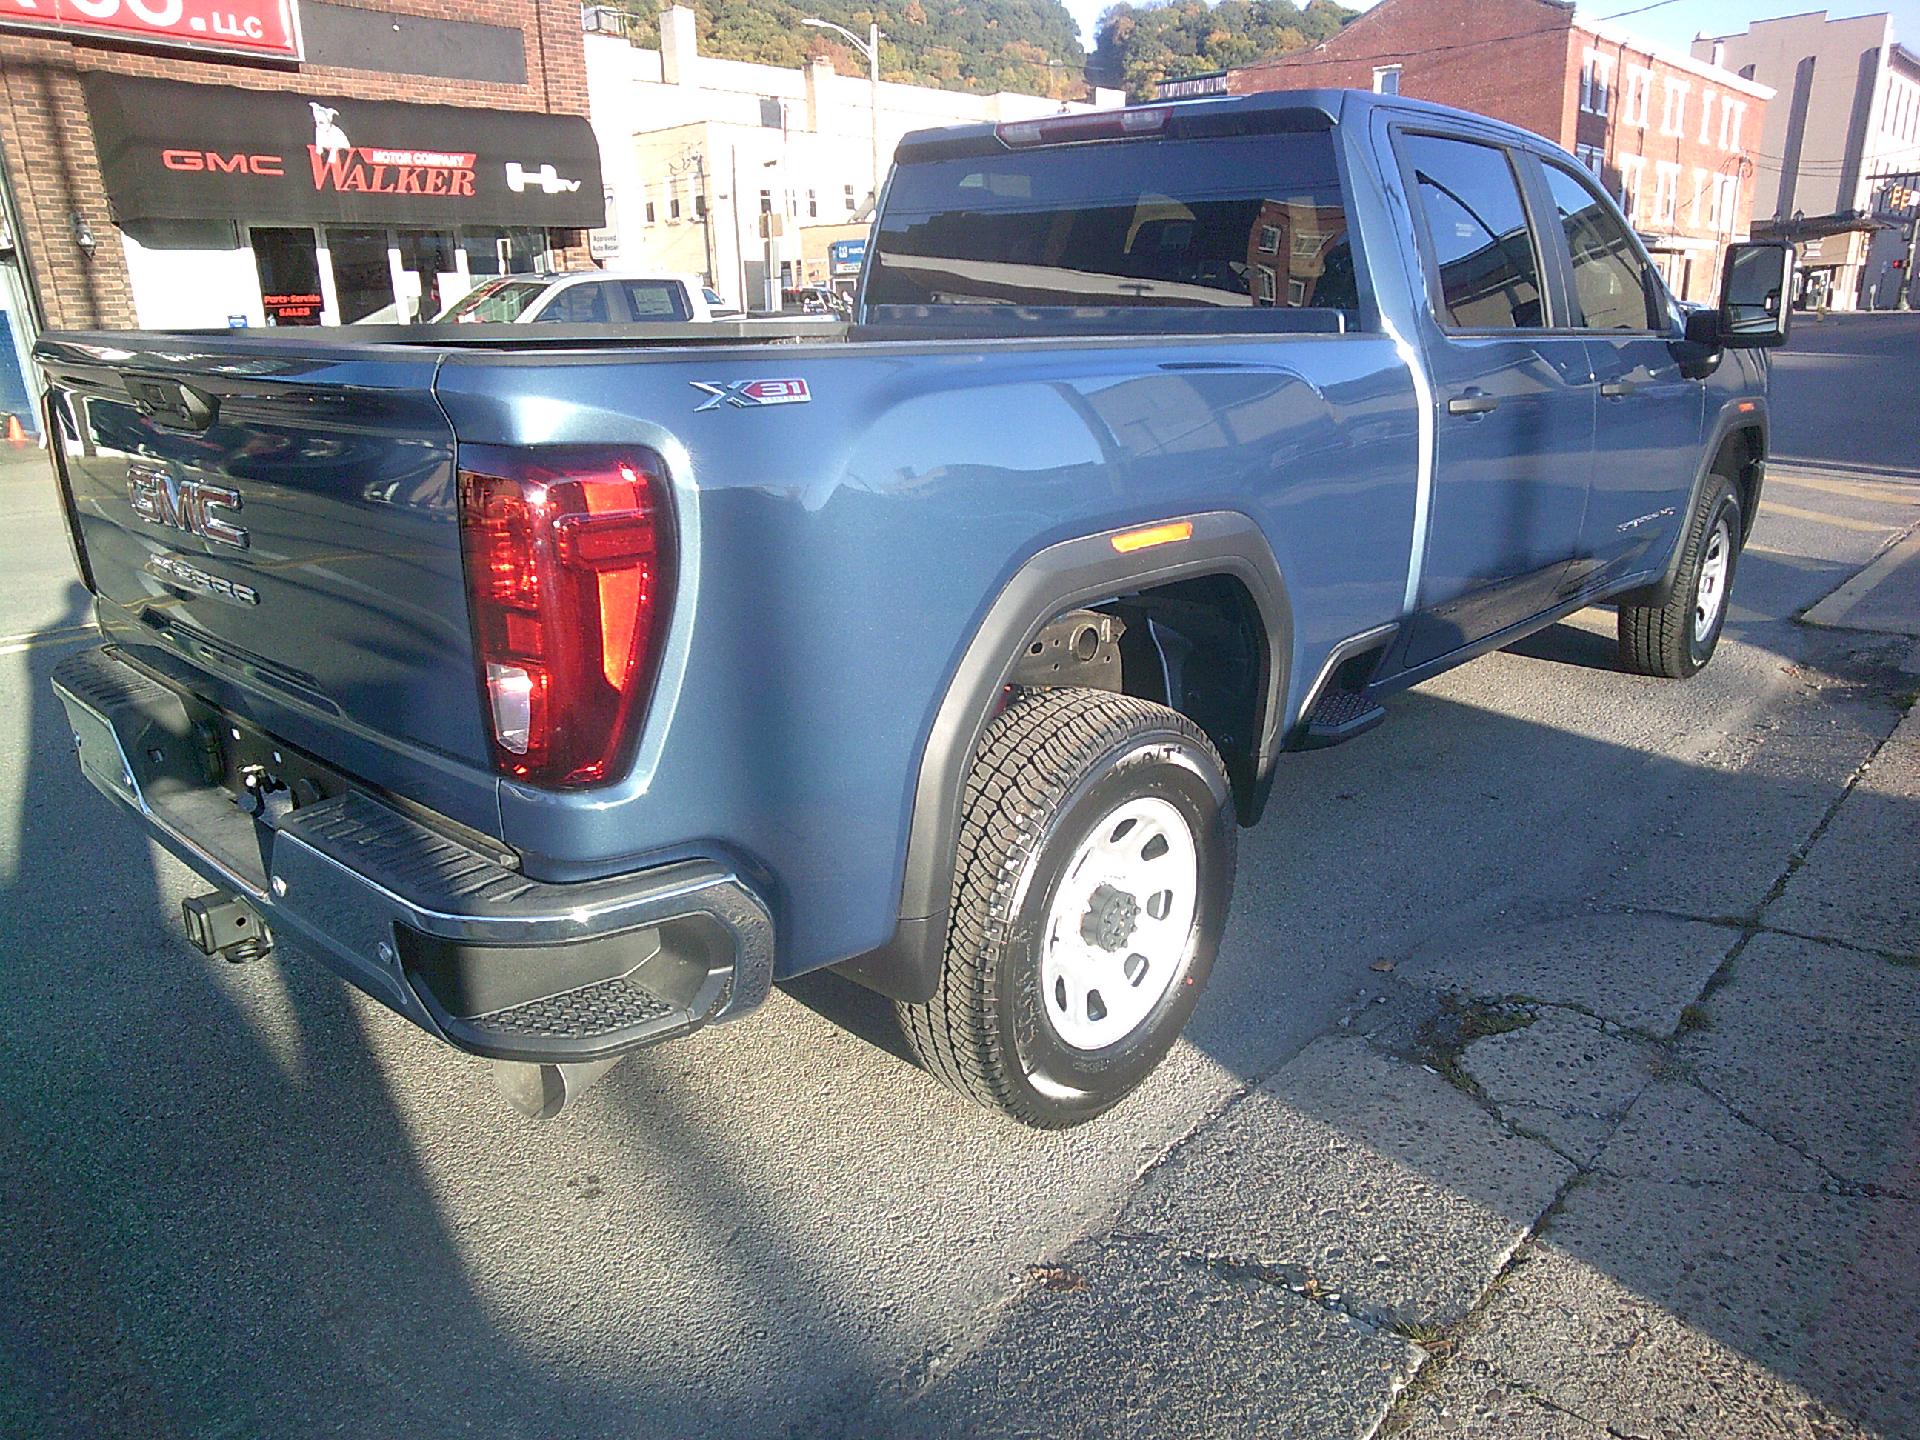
(200, 170)
(1673, 137)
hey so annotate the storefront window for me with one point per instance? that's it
(362, 274)
(428, 272)
(503, 252)
(289, 264)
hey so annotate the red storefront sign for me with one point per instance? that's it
(244, 27)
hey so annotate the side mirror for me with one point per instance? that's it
(1755, 290)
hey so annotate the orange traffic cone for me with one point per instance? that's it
(15, 435)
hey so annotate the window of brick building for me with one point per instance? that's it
(1666, 192)
(1673, 111)
(1639, 88)
(1706, 117)
(1733, 114)
(1386, 79)
(1596, 82)
(1633, 174)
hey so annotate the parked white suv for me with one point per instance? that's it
(589, 297)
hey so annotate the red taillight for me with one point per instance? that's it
(569, 558)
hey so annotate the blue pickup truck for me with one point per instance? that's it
(565, 692)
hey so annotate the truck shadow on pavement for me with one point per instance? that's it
(255, 1203)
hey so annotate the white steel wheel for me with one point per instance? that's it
(1710, 593)
(1121, 920)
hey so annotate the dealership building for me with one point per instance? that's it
(175, 163)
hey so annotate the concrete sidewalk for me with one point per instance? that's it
(1652, 1169)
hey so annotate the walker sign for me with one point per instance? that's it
(209, 152)
(240, 27)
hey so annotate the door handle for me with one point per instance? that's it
(1618, 389)
(1473, 402)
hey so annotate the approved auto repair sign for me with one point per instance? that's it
(244, 27)
(170, 151)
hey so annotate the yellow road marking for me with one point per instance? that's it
(1845, 522)
(1884, 493)
(1833, 610)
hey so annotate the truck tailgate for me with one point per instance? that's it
(277, 529)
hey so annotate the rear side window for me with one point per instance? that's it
(656, 299)
(1241, 221)
(1487, 262)
(1609, 277)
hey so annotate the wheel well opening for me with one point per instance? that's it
(1198, 646)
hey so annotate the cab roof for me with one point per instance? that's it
(1268, 110)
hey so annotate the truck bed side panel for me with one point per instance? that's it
(838, 555)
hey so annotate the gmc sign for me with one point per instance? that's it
(234, 164)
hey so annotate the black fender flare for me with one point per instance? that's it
(1745, 412)
(1072, 572)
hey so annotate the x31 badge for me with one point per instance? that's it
(743, 393)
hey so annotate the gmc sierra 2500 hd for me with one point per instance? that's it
(565, 692)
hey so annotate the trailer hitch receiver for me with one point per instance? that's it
(223, 925)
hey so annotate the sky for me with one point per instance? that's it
(1674, 22)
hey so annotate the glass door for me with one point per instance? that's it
(429, 274)
(287, 259)
(362, 273)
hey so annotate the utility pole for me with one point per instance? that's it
(1906, 276)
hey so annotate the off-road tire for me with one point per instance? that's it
(1051, 765)
(1659, 639)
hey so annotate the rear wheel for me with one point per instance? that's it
(1677, 639)
(1095, 861)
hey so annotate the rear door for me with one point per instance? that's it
(1648, 432)
(1514, 400)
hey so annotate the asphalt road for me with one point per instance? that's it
(245, 1201)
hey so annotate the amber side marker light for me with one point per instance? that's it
(1746, 407)
(1127, 541)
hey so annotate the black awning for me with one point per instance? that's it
(170, 151)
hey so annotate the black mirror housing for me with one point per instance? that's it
(1703, 328)
(1756, 296)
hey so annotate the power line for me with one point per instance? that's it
(1637, 10)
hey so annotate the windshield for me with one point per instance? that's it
(1246, 221)
(498, 300)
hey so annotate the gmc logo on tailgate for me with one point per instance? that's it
(188, 505)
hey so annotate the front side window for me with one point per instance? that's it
(1609, 278)
(578, 305)
(1170, 223)
(497, 301)
(1484, 253)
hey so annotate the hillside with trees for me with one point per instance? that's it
(1135, 45)
(986, 45)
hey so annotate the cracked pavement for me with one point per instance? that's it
(1645, 1176)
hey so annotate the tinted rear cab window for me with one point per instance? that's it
(1246, 222)
(1486, 260)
